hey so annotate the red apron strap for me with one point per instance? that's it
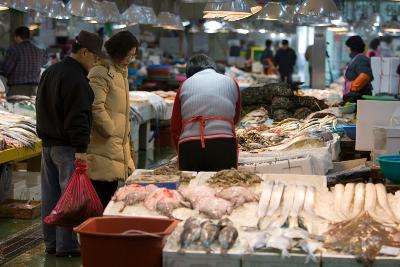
(202, 121)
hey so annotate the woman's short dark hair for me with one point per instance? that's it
(119, 45)
(374, 44)
(22, 32)
(198, 63)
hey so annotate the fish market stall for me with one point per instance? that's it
(18, 138)
(237, 218)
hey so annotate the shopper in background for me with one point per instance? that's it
(285, 60)
(109, 153)
(22, 65)
(358, 75)
(206, 109)
(308, 56)
(267, 59)
(64, 120)
(374, 48)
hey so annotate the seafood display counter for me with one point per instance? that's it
(238, 218)
(20, 154)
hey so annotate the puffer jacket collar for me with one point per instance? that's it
(113, 68)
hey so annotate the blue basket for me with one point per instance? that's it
(350, 131)
(390, 166)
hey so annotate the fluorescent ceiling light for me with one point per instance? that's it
(337, 29)
(212, 26)
(242, 31)
(273, 11)
(262, 31)
(273, 35)
(119, 26)
(376, 19)
(83, 8)
(185, 23)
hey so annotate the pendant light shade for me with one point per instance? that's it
(3, 5)
(107, 12)
(34, 5)
(319, 8)
(83, 8)
(140, 14)
(273, 11)
(392, 26)
(230, 8)
(19, 5)
(169, 21)
(56, 9)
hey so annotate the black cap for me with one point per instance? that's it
(356, 43)
(91, 42)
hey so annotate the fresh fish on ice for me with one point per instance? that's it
(276, 196)
(383, 201)
(348, 199)
(265, 199)
(227, 238)
(338, 200)
(209, 234)
(310, 247)
(190, 234)
(298, 204)
(359, 200)
(214, 207)
(194, 194)
(288, 197)
(309, 200)
(238, 195)
(282, 243)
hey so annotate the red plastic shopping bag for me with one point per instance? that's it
(78, 202)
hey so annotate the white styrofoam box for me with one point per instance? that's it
(386, 84)
(384, 65)
(318, 181)
(293, 166)
(168, 114)
(27, 193)
(387, 140)
(372, 113)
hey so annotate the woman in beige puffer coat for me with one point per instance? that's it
(109, 153)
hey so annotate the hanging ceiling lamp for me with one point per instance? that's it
(3, 5)
(318, 12)
(241, 8)
(140, 14)
(19, 5)
(273, 11)
(291, 11)
(56, 10)
(107, 12)
(169, 21)
(34, 5)
(323, 8)
(83, 8)
(392, 26)
(254, 8)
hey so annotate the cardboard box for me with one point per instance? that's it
(384, 65)
(386, 84)
(370, 114)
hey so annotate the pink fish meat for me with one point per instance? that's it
(164, 201)
(195, 193)
(214, 207)
(238, 195)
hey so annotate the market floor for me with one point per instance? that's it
(36, 257)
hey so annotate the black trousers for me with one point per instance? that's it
(286, 77)
(219, 154)
(105, 190)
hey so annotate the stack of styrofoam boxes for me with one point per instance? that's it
(386, 80)
(26, 186)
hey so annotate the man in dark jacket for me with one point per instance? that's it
(22, 65)
(64, 120)
(285, 60)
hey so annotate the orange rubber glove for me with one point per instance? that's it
(362, 80)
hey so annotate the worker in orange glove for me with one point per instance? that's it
(267, 59)
(358, 75)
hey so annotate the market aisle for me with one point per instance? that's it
(36, 257)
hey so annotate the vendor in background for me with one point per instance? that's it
(206, 109)
(267, 59)
(64, 119)
(22, 65)
(358, 74)
(374, 48)
(109, 153)
(285, 60)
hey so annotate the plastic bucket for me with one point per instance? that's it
(390, 166)
(123, 241)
